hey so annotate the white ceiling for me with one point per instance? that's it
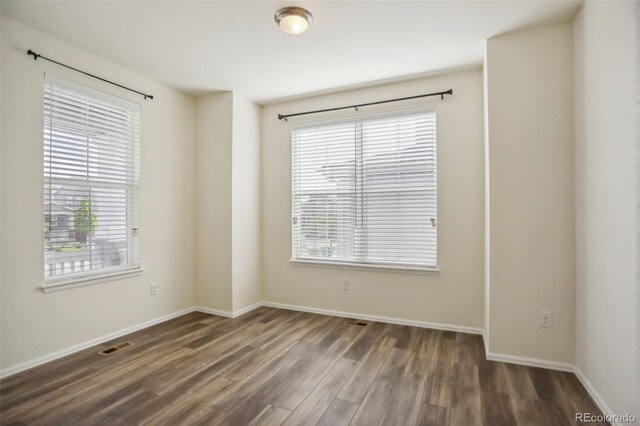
(203, 46)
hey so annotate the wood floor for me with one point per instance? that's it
(273, 366)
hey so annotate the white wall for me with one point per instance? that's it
(246, 248)
(531, 223)
(228, 233)
(33, 323)
(605, 36)
(455, 295)
(213, 236)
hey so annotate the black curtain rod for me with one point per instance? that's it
(36, 56)
(441, 94)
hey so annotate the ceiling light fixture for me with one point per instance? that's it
(293, 20)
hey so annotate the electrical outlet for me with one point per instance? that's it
(346, 285)
(545, 319)
(154, 289)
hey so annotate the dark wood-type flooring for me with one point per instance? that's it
(274, 366)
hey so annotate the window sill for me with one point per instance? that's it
(89, 280)
(365, 266)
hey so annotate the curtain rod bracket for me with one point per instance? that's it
(37, 55)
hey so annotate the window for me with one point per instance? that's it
(91, 183)
(364, 191)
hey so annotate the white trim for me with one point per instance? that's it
(9, 371)
(597, 398)
(530, 362)
(485, 340)
(228, 314)
(246, 309)
(390, 320)
(377, 266)
(86, 280)
(213, 311)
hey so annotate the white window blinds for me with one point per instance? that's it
(365, 191)
(91, 182)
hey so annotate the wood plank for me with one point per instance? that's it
(406, 403)
(368, 339)
(314, 405)
(423, 352)
(171, 402)
(339, 413)
(112, 413)
(492, 378)
(522, 393)
(374, 407)
(182, 409)
(466, 404)
(317, 367)
(360, 382)
(406, 337)
(104, 400)
(266, 354)
(271, 416)
(438, 386)
(289, 386)
(496, 409)
(572, 398)
(434, 415)
(247, 399)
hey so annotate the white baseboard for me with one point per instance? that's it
(597, 398)
(14, 369)
(530, 362)
(213, 311)
(246, 309)
(228, 314)
(485, 340)
(390, 320)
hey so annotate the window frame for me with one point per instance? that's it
(364, 265)
(52, 283)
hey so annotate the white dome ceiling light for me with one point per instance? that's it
(293, 20)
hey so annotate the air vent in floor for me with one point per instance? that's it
(115, 348)
(355, 322)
